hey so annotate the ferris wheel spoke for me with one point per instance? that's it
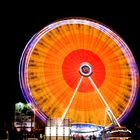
(65, 112)
(104, 101)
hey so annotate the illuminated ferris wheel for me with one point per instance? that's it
(77, 68)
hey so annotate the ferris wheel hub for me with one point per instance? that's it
(85, 69)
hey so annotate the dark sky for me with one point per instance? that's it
(21, 25)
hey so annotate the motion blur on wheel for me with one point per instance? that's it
(78, 69)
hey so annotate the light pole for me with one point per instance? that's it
(34, 110)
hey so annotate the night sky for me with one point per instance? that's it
(21, 25)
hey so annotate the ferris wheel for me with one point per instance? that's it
(77, 68)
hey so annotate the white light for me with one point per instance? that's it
(57, 131)
(85, 69)
(18, 129)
